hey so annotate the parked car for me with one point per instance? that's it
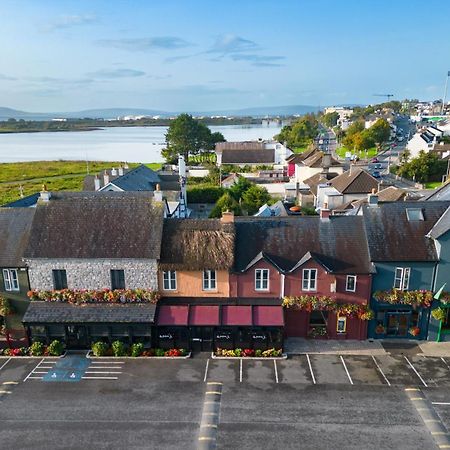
(400, 139)
(376, 174)
(374, 160)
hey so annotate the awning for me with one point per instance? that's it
(236, 315)
(268, 316)
(204, 315)
(173, 315)
(41, 312)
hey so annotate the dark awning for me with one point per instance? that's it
(173, 315)
(54, 312)
(236, 315)
(266, 316)
(204, 315)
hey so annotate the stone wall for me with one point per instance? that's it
(93, 273)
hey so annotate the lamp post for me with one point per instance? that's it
(445, 93)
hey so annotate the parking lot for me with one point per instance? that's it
(327, 401)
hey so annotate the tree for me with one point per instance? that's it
(226, 203)
(238, 189)
(349, 138)
(187, 136)
(330, 119)
(380, 131)
(363, 140)
(254, 197)
(301, 132)
(426, 167)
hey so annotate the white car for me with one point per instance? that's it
(400, 139)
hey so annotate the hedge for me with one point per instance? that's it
(208, 194)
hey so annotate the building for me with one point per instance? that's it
(405, 261)
(107, 244)
(252, 153)
(304, 259)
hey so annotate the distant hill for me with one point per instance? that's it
(113, 113)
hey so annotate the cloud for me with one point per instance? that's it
(259, 60)
(172, 59)
(69, 21)
(231, 43)
(7, 77)
(146, 44)
(116, 73)
(54, 82)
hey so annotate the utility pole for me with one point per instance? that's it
(445, 93)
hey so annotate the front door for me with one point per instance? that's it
(397, 324)
(76, 337)
(201, 339)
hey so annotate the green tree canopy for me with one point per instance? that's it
(187, 136)
(301, 132)
(254, 197)
(226, 203)
(426, 167)
(330, 119)
(380, 131)
(238, 189)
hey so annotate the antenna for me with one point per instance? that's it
(388, 96)
(445, 93)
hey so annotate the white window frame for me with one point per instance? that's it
(401, 278)
(169, 280)
(344, 320)
(263, 279)
(11, 280)
(209, 282)
(349, 277)
(306, 280)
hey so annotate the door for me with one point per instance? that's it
(201, 339)
(397, 324)
(76, 337)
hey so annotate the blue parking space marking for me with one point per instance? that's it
(69, 369)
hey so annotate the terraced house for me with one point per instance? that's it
(104, 243)
(406, 262)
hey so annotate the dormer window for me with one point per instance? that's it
(261, 279)
(309, 282)
(401, 280)
(414, 214)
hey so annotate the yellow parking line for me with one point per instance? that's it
(214, 393)
(10, 382)
(437, 433)
(431, 420)
(412, 389)
(214, 382)
(5, 392)
(417, 398)
(204, 438)
(208, 425)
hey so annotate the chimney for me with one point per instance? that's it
(120, 171)
(227, 217)
(326, 160)
(44, 196)
(126, 166)
(353, 169)
(96, 183)
(105, 178)
(113, 172)
(157, 194)
(325, 212)
(372, 198)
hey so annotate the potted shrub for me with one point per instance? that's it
(55, 348)
(317, 332)
(380, 329)
(439, 313)
(414, 331)
(99, 348)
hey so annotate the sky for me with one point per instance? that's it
(204, 55)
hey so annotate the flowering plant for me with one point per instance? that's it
(380, 329)
(413, 298)
(314, 303)
(438, 313)
(414, 331)
(82, 296)
(317, 332)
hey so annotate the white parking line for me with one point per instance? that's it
(114, 373)
(206, 371)
(4, 364)
(105, 367)
(445, 362)
(346, 370)
(107, 362)
(99, 378)
(276, 370)
(31, 373)
(240, 370)
(310, 369)
(415, 371)
(382, 373)
(441, 403)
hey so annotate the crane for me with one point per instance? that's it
(388, 96)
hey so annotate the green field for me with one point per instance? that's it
(300, 149)
(433, 185)
(370, 153)
(56, 175)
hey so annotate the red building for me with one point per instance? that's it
(318, 268)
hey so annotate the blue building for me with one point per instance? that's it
(405, 262)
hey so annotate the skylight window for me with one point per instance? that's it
(414, 214)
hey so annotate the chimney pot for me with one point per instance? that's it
(96, 183)
(105, 178)
(113, 172)
(120, 171)
(227, 217)
(44, 195)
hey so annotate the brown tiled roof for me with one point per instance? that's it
(316, 160)
(237, 146)
(96, 225)
(296, 158)
(355, 181)
(317, 179)
(248, 156)
(197, 244)
(15, 225)
(339, 242)
(392, 237)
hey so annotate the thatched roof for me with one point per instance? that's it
(197, 244)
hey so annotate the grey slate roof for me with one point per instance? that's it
(54, 312)
(392, 237)
(442, 193)
(140, 178)
(441, 226)
(25, 202)
(97, 225)
(248, 156)
(15, 225)
(338, 242)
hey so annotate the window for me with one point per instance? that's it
(401, 280)
(309, 280)
(414, 214)
(261, 279)
(117, 279)
(10, 279)
(446, 322)
(341, 325)
(170, 280)
(59, 279)
(350, 284)
(318, 318)
(209, 280)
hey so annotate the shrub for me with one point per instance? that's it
(258, 353)
(99, 348)
(37, 349)
(159, 352)
(55, 348)
(208, 194)
(137, 349)
(5, 307)
(118, 348)
(438, 313)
